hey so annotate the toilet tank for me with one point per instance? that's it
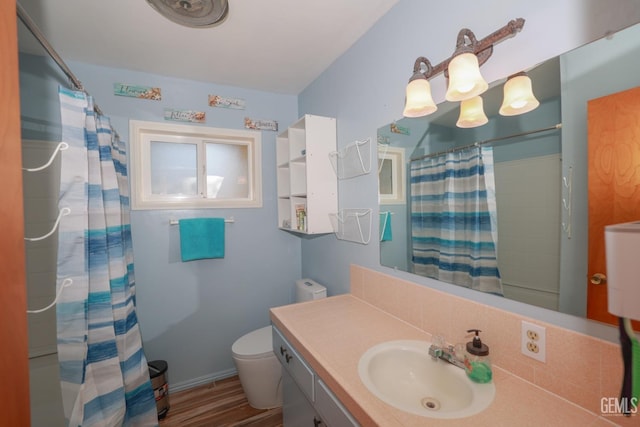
(308, 290)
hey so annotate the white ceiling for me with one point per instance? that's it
(272, 45)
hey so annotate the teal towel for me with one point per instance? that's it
(201, 238)
(385, 227)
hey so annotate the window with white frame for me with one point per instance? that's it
(177, 166)
(391, 175)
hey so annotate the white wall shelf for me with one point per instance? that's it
(353, 225)
(306, 185)
(353, 160)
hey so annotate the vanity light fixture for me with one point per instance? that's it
(518, 95)
(472, 113)
(419, 100)
(462, 70)
(465, 80)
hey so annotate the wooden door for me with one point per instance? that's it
(614, 182)
(14, 362)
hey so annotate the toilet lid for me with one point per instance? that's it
(254, 345)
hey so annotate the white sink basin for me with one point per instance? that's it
(402, 374)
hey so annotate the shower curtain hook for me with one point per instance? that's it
(66, 282)
(61, 146)
(63, 212)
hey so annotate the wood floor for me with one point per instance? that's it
(218, 404)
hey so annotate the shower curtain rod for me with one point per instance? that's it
(31, 26)
(487, 141)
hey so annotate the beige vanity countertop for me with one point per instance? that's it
(333, 333)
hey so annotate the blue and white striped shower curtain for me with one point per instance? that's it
(104, 375)
(454, 219)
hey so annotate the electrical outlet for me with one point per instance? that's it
(533, 341)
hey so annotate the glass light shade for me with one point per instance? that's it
(518, 96)
(419, 101)
(472, 113)
(465, 80)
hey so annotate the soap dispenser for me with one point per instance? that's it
(476, 362)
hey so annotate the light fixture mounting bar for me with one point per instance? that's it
(482, 48)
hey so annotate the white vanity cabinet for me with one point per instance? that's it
(307, 401)
(307, 186)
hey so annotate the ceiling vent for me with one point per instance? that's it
(192, 13)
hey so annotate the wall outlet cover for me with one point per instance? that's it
(533, 341)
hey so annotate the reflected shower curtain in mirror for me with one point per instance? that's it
(103, 370)
(454, 219)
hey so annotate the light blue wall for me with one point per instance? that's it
(364, 89)
(190, 313)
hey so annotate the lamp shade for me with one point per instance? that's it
(518, 96)
(622, 242)
(465, 80)
(472, 113)
(419, 101)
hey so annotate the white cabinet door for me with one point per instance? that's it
(294, 364)
(330, 408)
(296, 409)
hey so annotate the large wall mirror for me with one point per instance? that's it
(540, 170)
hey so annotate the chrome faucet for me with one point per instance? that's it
(448, 354)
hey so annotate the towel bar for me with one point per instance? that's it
(175, 221)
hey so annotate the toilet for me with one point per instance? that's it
(258, 368)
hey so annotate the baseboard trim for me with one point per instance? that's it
(185, 385)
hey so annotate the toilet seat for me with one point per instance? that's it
(254, 345)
